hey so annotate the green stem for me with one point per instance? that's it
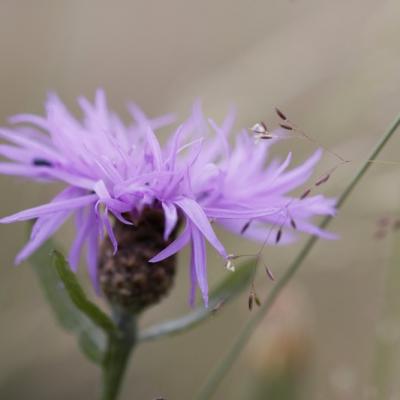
(120, 345)
(219, 372)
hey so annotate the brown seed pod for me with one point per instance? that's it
(305, 194)
(278, 236)
(323, 180)
(280, 114)
(245, 227)
(269, 273)
(287, 127)
(251, 300)
(259, 128)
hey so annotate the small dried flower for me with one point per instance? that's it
(230, 266)
(278, 236)
(322, 180)
(305, 194)
(286, 126)
(280, 114)
(251, 301)
(259, 128)
(269, 273)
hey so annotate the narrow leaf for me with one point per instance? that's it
(78, 296)
(92, 340)
(93, 346)
(234, 283)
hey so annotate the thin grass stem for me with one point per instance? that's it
(218, 373)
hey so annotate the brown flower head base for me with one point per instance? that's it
(127, 278)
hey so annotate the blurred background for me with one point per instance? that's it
(334, 67)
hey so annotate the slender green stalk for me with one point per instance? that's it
(120, 345)
(219, 372)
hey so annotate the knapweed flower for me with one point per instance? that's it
(124, 186)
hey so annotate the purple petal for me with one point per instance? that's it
(174, 147)
(29, 119)
(196, 214)
(259, 231)
(193, 281)
(162, 121)
(92, 252)
(63, 205)
(171, 218)
(105, 198)
(242, 214)
(16, 153)
(67, 193)
(221, 136)
(22, 170)
(181, 241)
(80, 238)
(314, 230)
(199, 260)
(296, 177)
(48, 225)
(70, 178)
(151, 138)
(106, 221)
(31, 144)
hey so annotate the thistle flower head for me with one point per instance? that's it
(113, 172)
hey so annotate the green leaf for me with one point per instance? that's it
(227, 290)
(91, 338)
(78, 296)
(93, 345)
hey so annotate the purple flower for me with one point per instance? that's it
(111, 169)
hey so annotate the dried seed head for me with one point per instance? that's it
(218, 306)
(278, 236)
(259, 128)
(260, 131)
(253, 298)
(245, 227)
(280, 114)
(323, 180)
(251, 301)
(286, 126)
(230, 266)
(305, 194)
(127, 278)
(263, 136)
(269, 273)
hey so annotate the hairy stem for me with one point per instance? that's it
(120, 345)
(221, 369)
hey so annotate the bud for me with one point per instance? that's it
(127, 278)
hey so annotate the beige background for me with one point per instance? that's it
(334, 66)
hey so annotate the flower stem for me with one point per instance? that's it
(120, 345)
(221, 369)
